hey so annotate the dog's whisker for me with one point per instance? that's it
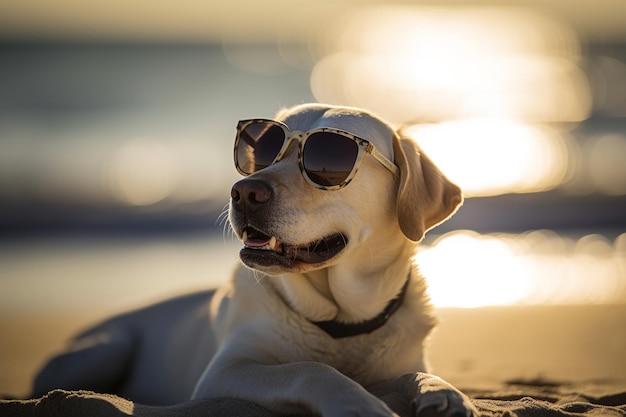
(227, 230)
(222, 220)
(258, 277)
(223, 216)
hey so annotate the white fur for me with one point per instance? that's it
(254, 338)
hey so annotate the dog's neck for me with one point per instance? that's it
(339, 330)
(347, 293)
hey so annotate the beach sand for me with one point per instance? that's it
(498, 355)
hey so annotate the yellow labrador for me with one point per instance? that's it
(333, 203)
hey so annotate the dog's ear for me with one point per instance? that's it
(425, 196)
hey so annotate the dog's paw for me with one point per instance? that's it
(443, 403)
(438, 398)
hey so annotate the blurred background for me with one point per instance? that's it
(117, 121)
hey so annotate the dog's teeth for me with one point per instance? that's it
(273, 243)
(244, 236)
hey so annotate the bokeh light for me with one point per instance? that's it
(484, 271)
(495, 156)
(142, 173)
(430, 63)
(466, 269)
(489, 76)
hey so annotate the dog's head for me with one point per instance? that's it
(288, 225)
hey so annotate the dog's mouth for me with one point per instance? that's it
(263, 250)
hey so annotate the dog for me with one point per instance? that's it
(327, 306)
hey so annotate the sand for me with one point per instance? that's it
(562, 360)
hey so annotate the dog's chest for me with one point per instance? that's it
(367, 358)
(286, 336)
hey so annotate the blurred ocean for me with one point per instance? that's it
(110, 127)
(115, 165)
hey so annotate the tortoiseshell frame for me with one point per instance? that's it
(364, 147)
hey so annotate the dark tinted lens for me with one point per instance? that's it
(328, 158)
(259, 144)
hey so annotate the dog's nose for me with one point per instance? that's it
(251, 192)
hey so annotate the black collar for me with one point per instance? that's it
(338, 330)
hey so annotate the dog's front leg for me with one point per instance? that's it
(291, 388)
(428, 395)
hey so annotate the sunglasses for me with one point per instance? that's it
(328, 158)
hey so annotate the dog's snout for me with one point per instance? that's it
(251, 192)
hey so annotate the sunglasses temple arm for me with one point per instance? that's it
(383, 160)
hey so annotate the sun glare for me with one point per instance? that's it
(470, 152)
(488, 75)
(484, 272)
(539, 267)
(442, 63)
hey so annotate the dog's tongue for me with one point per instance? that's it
(256, 242)
(256, 239)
